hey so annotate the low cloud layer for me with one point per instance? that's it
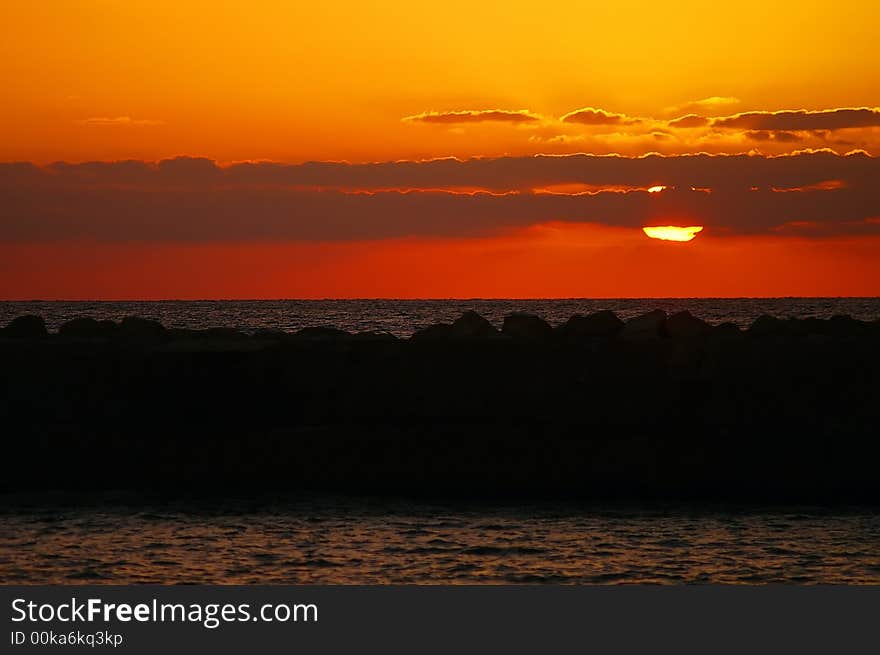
(689, 120)
(593, 116)
(195, 200)
(698, 126)
(474, 116)
(118, 121)
(801, 119)
(711, 104)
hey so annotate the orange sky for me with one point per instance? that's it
(545, 261)
(95, 80)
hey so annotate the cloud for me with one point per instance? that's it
(474, 116)
(775, 132)
(593, 116)
(792, 120)
(196, 200)
(781, 136)
(492, 174)
(710, 104)
(689, 120)
(119, 121)
(601, 131)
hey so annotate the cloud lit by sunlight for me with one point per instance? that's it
(672, 232)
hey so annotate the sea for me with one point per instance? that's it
(329, 540)
(111, 539)
(403, 317)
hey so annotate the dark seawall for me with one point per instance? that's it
(659, 407)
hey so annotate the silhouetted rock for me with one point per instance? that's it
(527, 326)
(374, 336)
(437, 332)
(88, 328)
(685, 358)
(135, 327)
(683, 325)
(726, 330)
(183, 333)
(320, 333)
(222, 333)
(601, 325)
(26, 327)
(647, 326)
(471, 325)
(846, 326)
(207, 334)
(766, 325)
(108, 327)
(789, 418)
(808, 326)
(270, 334)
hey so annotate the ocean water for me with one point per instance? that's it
(331, 540)
(403, 317)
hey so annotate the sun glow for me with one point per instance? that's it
(672, 232)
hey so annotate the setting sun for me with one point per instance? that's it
(672, 232)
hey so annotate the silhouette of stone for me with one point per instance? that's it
(766, 325)
(375, 336)
(808, 326)
(222, 333)
(270, 334)
(841, 325)
(26, 327)
(471, 325)
(686, 358)
(88, 328)
(321, 333)
(726, 330)
(183, 333)
(437, 332)
(526, 326)
(683, 325)
(209, 334)
(135, 327)
(604, 324)
(495, 416)
(647, 326)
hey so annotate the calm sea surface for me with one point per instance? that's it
(402, 317)
(346, 541)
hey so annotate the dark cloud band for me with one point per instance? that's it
(196, 200)
(801, 120)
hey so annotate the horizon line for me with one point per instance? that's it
(433, 299)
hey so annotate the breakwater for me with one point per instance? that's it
(658, 406)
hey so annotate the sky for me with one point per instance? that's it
(270, 149)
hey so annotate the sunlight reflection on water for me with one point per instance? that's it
(346, 541)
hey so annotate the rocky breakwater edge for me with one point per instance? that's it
(659, 406)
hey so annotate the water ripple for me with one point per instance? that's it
(351, 542)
